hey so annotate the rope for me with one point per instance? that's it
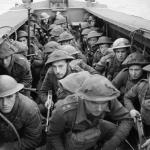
(13, 127)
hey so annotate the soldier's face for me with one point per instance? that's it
(95, 108)
(135, 71)
(103, 48)
(45, 21)
(60, 68)
(5, 62)
(92, 41)
(23, 40)
(7, 103)
(121, 54)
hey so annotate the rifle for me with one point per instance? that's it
(141, 135)
(49, 98)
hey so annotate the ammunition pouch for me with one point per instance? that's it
(82, 140)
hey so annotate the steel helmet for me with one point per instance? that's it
(9, 86)
(65, 36)
(86, 31)
(21, 48)
(74, 81)
(104, 40)
(71, 50)
(51, 47)
(58, 55)
(98, 88)
(84, 25)
(135, 58)
(59, 16)
(52, 26)
(93, 34)
(56, 31)
(121, 43)
(7, 49)
(147, 68)
(21, 34)
(60, 21)
(44, 15)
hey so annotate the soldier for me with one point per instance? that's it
(45, 22)
(48, 49)
(72, 82)
(59, 68)
(65, 38)
(55, 33)
(15, 65)
(22, 37)
(113, 64)
(92, 38)
(137, 100)
(78, 122)
(20, 121)
(22, 49)
(78, 62)
(83, 39)
(62, 22)
(129, 76)
(103, 44)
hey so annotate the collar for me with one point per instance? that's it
(81, 113)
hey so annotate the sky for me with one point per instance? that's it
(139, 8)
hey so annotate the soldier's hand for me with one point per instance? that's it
(134, 113)
(49, 104)
(146, 145)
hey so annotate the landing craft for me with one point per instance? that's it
(115, 24)
(112, 23)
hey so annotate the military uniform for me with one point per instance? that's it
(79, 63)
(25, 117)
(51, 83)
(20, 123)
(105, 63)
(140, 91)
(97, 56)
(70, 115)
(20, 70)
(137, 98)
(124, 83)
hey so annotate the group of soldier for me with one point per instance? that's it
(89, 89)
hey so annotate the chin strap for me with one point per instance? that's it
(13, 127)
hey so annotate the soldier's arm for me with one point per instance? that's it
(121, 114)
(26, 76)
(32, 133)
(130, 97)
(88, 68)
(56, 128)
(46, 86)
(119, 79)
